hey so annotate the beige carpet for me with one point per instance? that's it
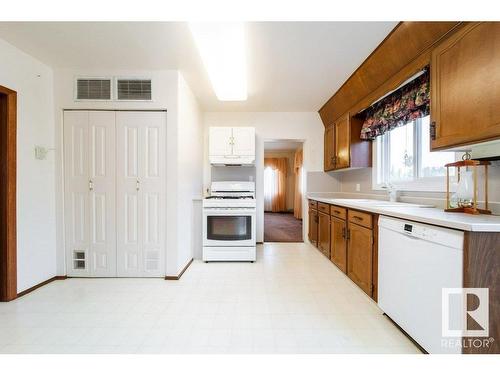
(282, 227)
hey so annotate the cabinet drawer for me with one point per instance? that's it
(360, 218)
(313, 205)
(324, 207)
(339, 212)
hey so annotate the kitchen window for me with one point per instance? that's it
(402, 158)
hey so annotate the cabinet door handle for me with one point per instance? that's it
(359, 218)
(348, 236)
(432, 130)
(91, 185)
(343, 233)
(336, 212)
(137, 184)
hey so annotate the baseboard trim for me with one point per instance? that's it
(29, 290)
(180, 274)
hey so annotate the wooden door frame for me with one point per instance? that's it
(8, 245)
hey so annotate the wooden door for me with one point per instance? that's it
(359, 256)
(342, 142)
(465, 86)
(151, 188)
(89, 161)
(324, 233)
(338, 248)
(140, 193)
(220, 141)
(77, 186)
(329, 148)
(313, 226)
(243, 141)
(102, 195)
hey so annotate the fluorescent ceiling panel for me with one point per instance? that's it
(222, 50)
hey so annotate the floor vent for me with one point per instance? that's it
(133, 89)
(79, 259)
(152, 261)
(93, 89)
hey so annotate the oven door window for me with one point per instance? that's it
(229, 228)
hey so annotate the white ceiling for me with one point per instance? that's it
(292, 66)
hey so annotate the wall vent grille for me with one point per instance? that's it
(133, 89)
(93, 89)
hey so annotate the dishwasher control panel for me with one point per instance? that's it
(446, 236)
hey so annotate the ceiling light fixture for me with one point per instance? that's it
(222, 50)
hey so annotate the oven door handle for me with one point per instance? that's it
(230, 212)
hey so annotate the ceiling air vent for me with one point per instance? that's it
(133, 89)
(93, 89)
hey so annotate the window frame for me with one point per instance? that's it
(380, 170)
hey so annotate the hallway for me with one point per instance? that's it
(282, 227)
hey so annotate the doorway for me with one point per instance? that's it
(283, 191)
(8, 250)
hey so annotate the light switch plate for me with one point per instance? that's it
(41, 152)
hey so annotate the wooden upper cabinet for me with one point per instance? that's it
(465, 86)
(343, 146)
(342, 142)
(324, 233)
(329, 153)
(360, 257)
(338, 244)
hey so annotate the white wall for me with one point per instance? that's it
(171, 93)
(298, 126)
(36, 234)
(189, 174)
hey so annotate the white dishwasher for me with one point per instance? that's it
(415, 261)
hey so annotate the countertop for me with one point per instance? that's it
(435, 216)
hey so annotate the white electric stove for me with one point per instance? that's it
(229, 222)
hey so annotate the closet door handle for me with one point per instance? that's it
(137, 184)
(91, 185)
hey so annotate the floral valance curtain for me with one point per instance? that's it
(408, 103)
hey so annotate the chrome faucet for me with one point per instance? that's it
(391, 191)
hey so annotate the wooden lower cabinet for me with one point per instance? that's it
(324, 233)
(360, 256)
(313, 226)
(338, 243)
(348, 238)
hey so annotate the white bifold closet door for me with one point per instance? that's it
(89, 164)
(140, 193)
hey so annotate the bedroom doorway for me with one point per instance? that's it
(283, 187)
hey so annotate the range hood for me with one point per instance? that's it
(486, 150)
(232, 160)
